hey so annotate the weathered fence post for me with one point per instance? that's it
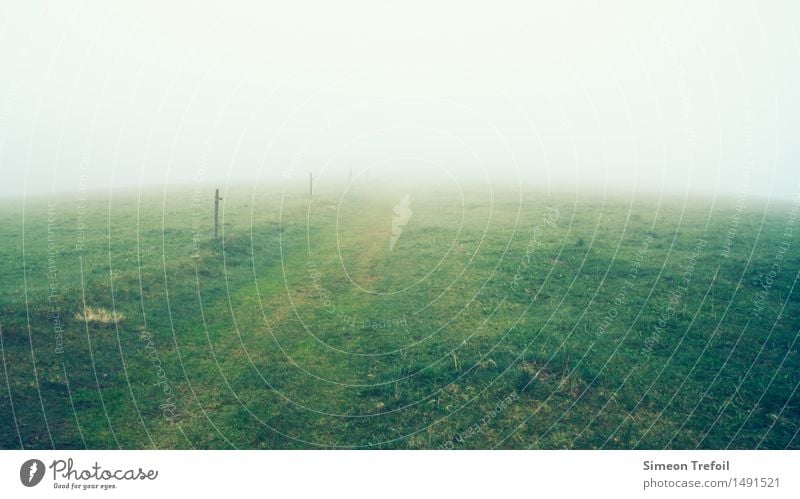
(216, 214)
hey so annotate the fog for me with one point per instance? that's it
(681, 97)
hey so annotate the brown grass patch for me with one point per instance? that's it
(534, 371)
(99, 315)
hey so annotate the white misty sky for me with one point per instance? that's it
(684, 96)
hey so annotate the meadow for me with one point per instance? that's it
(498, 319)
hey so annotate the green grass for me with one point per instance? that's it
(495, 321)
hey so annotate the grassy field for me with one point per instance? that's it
(505, 319)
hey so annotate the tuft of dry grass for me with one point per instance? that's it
(533, 369)
(99, 315)
(566, 382)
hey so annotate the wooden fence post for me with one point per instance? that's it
(216, 214)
